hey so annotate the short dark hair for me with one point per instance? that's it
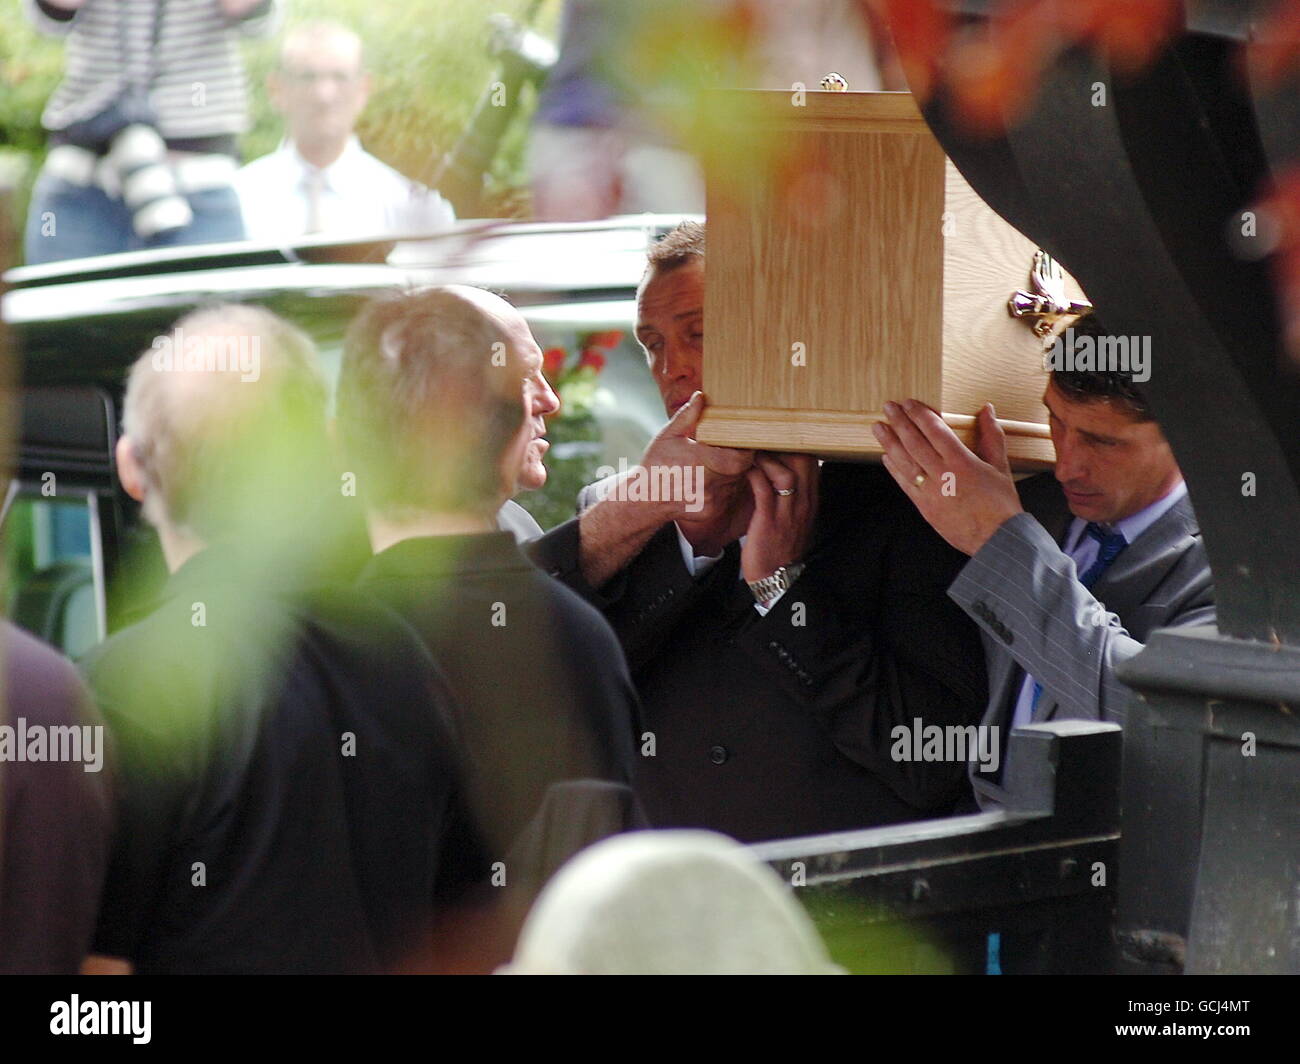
(677, 248)
(1090, 386)
(418, 410)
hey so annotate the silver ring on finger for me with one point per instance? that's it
(785, 491)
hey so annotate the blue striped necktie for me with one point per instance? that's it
(1110, 544)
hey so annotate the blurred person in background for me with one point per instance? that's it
(289, 796)
(622, 110)
(320, 179)
(143, 127)
(55, 814)
(594, 151)
(441, 405)
(806, 41)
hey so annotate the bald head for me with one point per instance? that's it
(540, 401)
(211, 410)
(442, 402)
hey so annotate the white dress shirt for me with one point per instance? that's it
(699, 564)
(284, 197)
(1083, 549)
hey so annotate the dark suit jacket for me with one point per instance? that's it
(1023, 591)
(768, 727)
(542, 690)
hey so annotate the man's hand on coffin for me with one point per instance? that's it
(965, 495)
(708, 496)
(784, 487)
(722, 469)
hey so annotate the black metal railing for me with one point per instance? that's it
(1041, 873)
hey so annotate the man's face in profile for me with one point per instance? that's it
(1109, 465)
(320, 87)
(670, 327)
(540, 402)
(523, 468)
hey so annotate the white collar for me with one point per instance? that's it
(351, 151)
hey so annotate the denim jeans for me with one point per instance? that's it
(68, 221)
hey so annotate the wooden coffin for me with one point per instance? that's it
(852, 265)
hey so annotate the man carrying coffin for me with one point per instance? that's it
(780, 624)
(1069, 575)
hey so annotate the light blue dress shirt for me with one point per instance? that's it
(1083, 549)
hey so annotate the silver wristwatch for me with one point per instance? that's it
(771, 586)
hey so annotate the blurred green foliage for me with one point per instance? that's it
(429, 60)
(867, 942)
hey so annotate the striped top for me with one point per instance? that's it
(197, 86)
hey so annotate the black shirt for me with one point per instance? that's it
(289, 799)
(540, 681)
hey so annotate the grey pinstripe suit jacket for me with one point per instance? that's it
(1035, 616)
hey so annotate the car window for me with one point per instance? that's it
(55, 584)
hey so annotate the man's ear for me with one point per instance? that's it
(128, 469)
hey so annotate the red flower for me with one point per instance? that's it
(607, 340)
(553, 360)
(592, 357)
